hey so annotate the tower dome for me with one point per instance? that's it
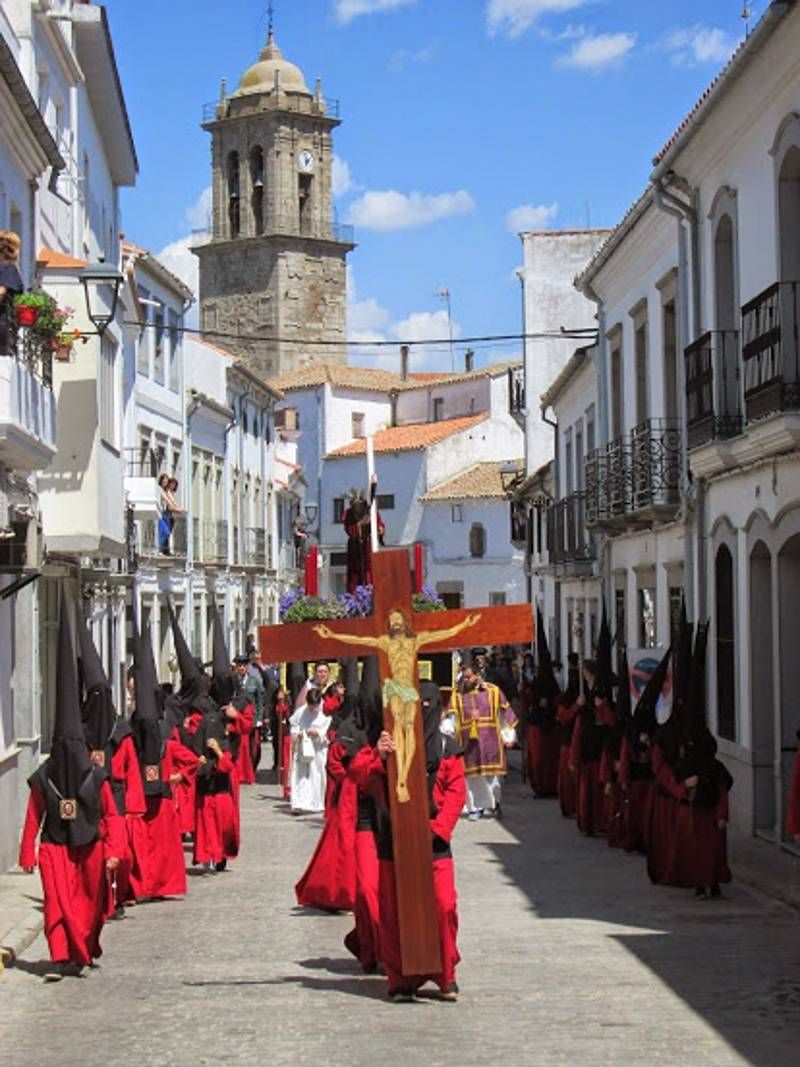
(260, 78)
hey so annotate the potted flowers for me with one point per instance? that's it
(29, 306)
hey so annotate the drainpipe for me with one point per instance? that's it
(688, 320)
(188, 617)
(601, 366)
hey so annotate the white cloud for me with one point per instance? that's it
(599, 52)
(514, 17)
(389, 210)
(197, 216)
(346, 10)
(406, 57)
(528, 217)
(178, 258)
(369, 321)
(341, 177)
(700, 44)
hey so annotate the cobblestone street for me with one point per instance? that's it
(570, 956)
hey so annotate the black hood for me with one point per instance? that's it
(370, 700)
(145, 721)
(68, 764)
(546, 685)
(193, 678)
(98, 713)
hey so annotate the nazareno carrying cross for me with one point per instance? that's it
(397, 633)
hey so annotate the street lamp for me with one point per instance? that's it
(101, 284)
(311, 508)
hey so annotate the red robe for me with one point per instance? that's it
(614, 801)
(242, 727)
(793, 800)
(75, 883)
(186, 763)
(158, 866)
(639, 791)
(543, 753)
(329, 881)
(567, 791)
(701, 845)
(663, 821)
(364, 940)
(217, 822)
(449, 796)
(125, 770)
(591, 803)
(359, 549)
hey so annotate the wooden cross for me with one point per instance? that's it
(410, 815)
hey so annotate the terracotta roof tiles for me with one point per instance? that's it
(51, 258)
(410, 438)
(480, 482)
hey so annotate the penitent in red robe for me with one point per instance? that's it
(329, 881)
(668, 794)
(585, 757)
(242, 727)
(158, 866)
(449, 795)
(186, 762)
(701, 847)
(126, 779)
(638, 785)
(74, 880)
(793, 800)
(217, 824)
(567, 791)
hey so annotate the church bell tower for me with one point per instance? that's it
(275, 266)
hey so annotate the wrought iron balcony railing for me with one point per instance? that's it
(142, 462)
(149, 544)
(568, 539)
(310, 105)
(215, 541)
(635, 473)
(712, 387)
(656, 464)
(256, 547)
(771, 351)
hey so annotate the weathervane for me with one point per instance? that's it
(271, 20)
(747, 13)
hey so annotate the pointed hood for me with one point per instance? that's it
(98, 713)
(349, 675)
(604, 679)
(145, 720)
(192, 677)
(223, 680)
(696, 706)
(645, 720)
(682, 665)
(546, 684)
(624, 711)
(370, 700)
(69, 762)
(295, 680)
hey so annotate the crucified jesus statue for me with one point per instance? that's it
(401, 647)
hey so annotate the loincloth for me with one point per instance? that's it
(393, 688)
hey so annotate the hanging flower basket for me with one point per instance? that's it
(27, 315)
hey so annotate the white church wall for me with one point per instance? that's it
(340, 407)
(490, 440)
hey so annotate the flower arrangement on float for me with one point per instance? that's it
(296, 606)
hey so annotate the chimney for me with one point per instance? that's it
(404, 362)
(469, 360)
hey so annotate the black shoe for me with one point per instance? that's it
(401, 995)
(450, 995)
(498, 810)
(700, 893)
(223, 863)
(715, 891)
(119, 912)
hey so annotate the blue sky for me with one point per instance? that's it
(464, 122)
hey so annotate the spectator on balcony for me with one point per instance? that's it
(10, 282)
(169, 509)
(300, 538)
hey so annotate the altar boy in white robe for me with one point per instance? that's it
(309, 730)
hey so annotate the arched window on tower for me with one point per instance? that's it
(234, 206)
(257, 182)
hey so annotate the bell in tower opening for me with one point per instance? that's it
(273, 273)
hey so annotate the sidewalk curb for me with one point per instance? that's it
(19, 938)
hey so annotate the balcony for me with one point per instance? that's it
(636, 479)
(771, 351)
(147, 546)
(567, 537)
(255, 547)
(214, 545)
(141, 482)
(27, 405)
(712, 388)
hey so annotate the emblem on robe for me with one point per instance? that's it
(98, 757)
(151, 773)
(68, 809)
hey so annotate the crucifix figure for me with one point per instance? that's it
(410, 817)
(400, 647)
